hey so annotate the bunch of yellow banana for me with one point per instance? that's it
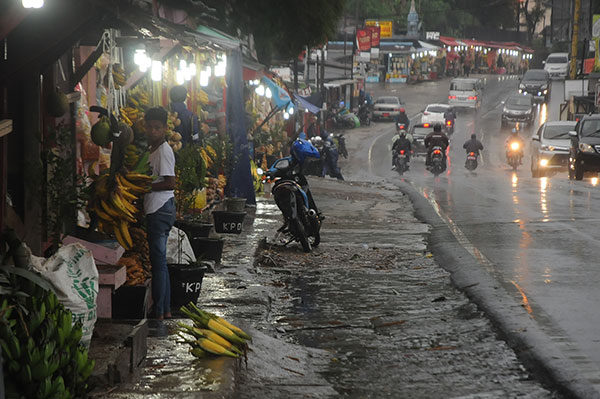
(113, 202)
(119, 77)
(132, 156)
(207, 156)
(212, 334)
(129, 115)
(202, 97)
(139, 97)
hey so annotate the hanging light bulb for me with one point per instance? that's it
(32, 3)
(146, 63)
(204, 75)
(182, 65)
(139, 56)
(286, 116)
(291, 110)
(156, 71)
(192, 69)
(260, 90)
(179, 77)
(268, 93)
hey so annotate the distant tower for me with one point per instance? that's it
(413, 21)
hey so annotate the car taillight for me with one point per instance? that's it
(437, 152)
(426, 125)
(451, 97)
(472, 97)
(425, 113)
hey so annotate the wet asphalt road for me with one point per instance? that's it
(537, 237)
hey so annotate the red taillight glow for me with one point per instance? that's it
(401, 152)
(472, 154)
(451, 97)
(472, 97)
(426, 125)
(449, 123)
(437, 152)
(425, 113)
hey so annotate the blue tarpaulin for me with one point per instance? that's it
(278, 95)
(304, 103)
(241, 183)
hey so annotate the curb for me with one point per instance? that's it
(531, 344)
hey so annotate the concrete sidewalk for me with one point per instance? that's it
(367, 314)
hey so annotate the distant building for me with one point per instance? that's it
(413, 25)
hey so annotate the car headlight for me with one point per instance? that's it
(521, 86)
(545, 147)
(505, 110)
(584, 147)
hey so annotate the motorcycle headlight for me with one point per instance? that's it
(521, 86)
(514, 146)
(584, 147)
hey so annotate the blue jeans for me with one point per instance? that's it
(158, 226)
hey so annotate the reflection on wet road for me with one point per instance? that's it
(538, 237)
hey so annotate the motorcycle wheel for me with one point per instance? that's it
(317, 239)
(301, 235)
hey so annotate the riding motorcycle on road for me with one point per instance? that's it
(363, 114)
(401, 162)
(302, 221)
(513, 154)
(438, 163)
(341, 144)
(471, 163)
(449, 126)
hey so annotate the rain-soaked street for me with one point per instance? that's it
(466, 285)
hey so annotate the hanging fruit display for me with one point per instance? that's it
(57, 103)
(137, 259)
(173, 138)
(101, 134)
(119, 76)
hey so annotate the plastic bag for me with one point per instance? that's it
(73, 274)
(179, 249)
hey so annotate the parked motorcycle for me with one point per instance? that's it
(401, 162)
(301, 223)
(438, 163)
(471, 163)
(341, 144)
(513, 154)
(363, 114)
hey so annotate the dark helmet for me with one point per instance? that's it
(437, 127)
(473, 136)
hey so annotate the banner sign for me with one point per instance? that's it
(363, 40)
(385, 27)
(432, 35)
(375, 32)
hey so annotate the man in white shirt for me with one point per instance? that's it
(159, 207)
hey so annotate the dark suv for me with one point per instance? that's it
(518, 108)
(584, 155)
(537, 83)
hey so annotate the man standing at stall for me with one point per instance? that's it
(159, 207)
(188, 128)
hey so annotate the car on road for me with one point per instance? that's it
(465, 93)
(518, 108)
(419, 131)
(584, 154)
(557, 64)
(537, 83)
(386, 107)
(434, 113)
(550, 148)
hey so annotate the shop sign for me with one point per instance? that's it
(363, 40)
(375, 33)
(284, 73)
(432, 35)
(384, 26)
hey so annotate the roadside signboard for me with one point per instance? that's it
(386, 27)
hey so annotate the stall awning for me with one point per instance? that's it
(306, 104)
(339, 83)
(424, 46)
(449, 41)
(279, 96)
(219, 38)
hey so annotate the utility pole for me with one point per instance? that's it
(574, 40)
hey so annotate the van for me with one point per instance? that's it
(465, 93)
(557, 64)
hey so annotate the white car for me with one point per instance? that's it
(434, 113)
(465, 93)
(557, 64)
(387, 107)
(550, 147)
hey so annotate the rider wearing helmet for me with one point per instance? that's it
(433, 139)
(473, 145)
(514, 137)
(402, 119)
(402, 143)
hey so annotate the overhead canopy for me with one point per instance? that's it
(449, 41)
(424, 46)
(279, 96)
(306, 104)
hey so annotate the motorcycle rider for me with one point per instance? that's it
(449, 115)
(402, 143)
(514, 137)
(330, 158)
(473, 145)
(433, 139)
(402, 119)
